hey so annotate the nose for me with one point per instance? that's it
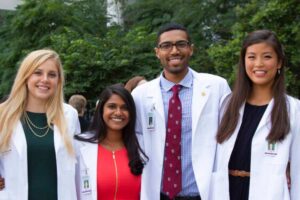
(118, 111)
(174, 49)
(258, 63)
(45, 77)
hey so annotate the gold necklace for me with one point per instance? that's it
(28, 119)
(30, 124)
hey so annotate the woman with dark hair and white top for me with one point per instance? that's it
(110, 160)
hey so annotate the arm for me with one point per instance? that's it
(294, 156)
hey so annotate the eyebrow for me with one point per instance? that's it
(268, 52)
(174, 41)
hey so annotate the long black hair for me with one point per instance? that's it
(98, 128)
(243, 88)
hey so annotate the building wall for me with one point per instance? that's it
(114, 12)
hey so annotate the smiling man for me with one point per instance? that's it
(177, 119)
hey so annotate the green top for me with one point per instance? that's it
(41, 159)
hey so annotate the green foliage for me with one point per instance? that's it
(280, 16)
(34, 23)
(207, 21)
(91, 63)
(95, 55)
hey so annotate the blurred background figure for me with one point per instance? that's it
(134, 82)
(79, 103)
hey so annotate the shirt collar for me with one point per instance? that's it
(187, 81)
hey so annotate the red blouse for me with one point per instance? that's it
(114, 179)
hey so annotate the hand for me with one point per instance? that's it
(2, 183)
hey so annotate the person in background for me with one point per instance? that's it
(110, 160)
(259, 131)
(177, 119)
(134, 82)
(79, 103)
(37, 157)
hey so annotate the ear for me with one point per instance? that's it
(157, 52)
(279, 66)
(192, 49)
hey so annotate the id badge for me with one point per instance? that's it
(271, 149)
(85, 183)
(150, 120)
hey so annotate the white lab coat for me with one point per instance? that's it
(13, 163)
(86, 170)
(268, 167)
(208, 91)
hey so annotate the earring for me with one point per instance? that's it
(278, 71)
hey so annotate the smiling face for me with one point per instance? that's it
(261, 63)
(115, 114)
(174, 61)
(43, 82)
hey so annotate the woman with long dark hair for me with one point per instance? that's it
(110, 158)
(257, 134)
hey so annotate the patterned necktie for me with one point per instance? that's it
(172, 158)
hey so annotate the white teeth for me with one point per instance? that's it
(43, 87)
(175, 59)
(260, 72)
(117, 119)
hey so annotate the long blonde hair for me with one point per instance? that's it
(13, 108)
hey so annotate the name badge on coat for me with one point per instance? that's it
(272, 148)
(151, 118)
(85, 183)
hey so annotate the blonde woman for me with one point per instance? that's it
(36, 128)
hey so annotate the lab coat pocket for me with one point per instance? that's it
(277, 192)
(268, 186)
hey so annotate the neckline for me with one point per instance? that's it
(112, 151)
(256, 106)
(35, 113)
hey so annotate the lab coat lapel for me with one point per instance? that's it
(227, 146)
(154, 95)
(89, 153)
(19, 140)
(58, 142)
(201, 92)
(265, 121)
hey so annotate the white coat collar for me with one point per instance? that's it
(19, 140)
(265, 120)
(154, 95)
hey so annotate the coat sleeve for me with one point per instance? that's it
(295, 154)
(72, 118)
